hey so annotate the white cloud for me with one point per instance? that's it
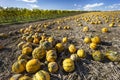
(33, 6)
(30, 1)
(113, 7)
(92, 6)
(77, 6)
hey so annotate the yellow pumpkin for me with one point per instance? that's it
(27, 50)
(86, 29)
(93, 46)
(19, 66)
(112, 24)
(81, 53)
(39, 52)
(51, 55)
(72, 48)
(87, 40)
(53, 67)
(97, 56)
(59, 47)
(64, 40)
(104, 30)
(68, 65)
(51, 40)
(41, 75)
(96, 40)
(33, 65)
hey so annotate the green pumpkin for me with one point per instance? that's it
(97, 56)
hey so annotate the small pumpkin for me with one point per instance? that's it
(68, 65)
(86, 29)
(64, 40)
(19, 66)
(47, 45)
(36, 40)
(87, 40)
(93, 46)
(97, 56)
(96, 39)
(72, 48)
(53, 67)
(41, 75)
(33, 65)
(104, 30)
(51, 55)
(59, 47)
(81, 53)
(39, 52)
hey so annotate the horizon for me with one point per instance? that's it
(74, 5)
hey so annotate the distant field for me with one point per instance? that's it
(19, 15)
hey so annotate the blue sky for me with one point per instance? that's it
(63, 4)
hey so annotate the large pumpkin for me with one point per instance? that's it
(68, 65)
(39, 52)
(19, 66)
(33, 65)
(41, 75)
(51, 55)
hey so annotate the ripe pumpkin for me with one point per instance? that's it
(27, 50)
(19, 66)
(87, 40)
(112, 24)
(93, 46)
(97, 56)
(72, 48)
(33, 65)
(113, 56)
(104, 30)
(53, 67)
(51, 55)
(68, 65)
(39, 52)
(96, 40)
(86, 29)
(51, 40)
(41, 75)
(59, 47)
(64, 40)
(81, 53)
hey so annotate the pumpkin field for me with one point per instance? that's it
(79, 46)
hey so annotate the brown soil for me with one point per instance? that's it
(86, 69)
